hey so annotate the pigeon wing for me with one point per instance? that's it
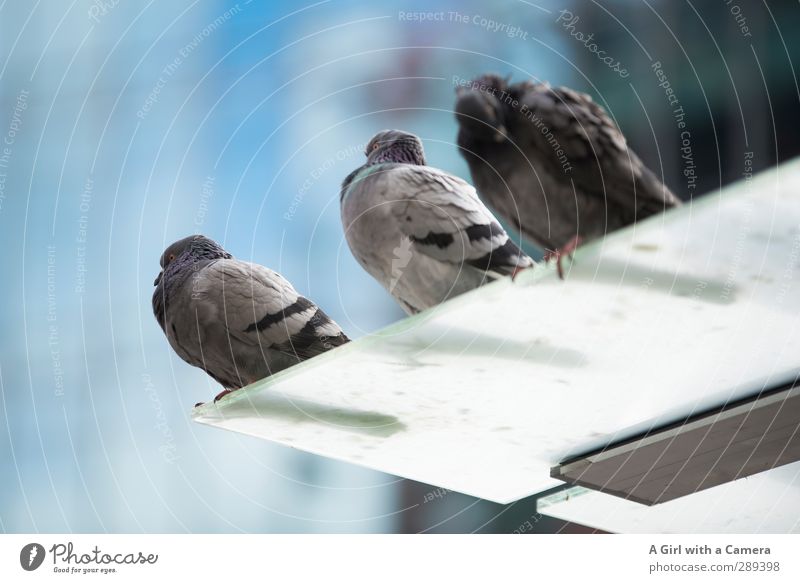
(444, 219)
(261, 307)
(599, 159)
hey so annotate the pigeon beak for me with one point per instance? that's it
(158, 278)
(501, 133)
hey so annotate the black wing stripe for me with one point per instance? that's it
(441, 240)
(319, 320)
(307, 341)
(301, 305)
(503, 259)
(307, 335)
(477, 232)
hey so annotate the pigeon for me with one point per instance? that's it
(551, 163)
(238, 321)
(420, 232)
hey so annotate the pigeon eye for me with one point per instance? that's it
(375, 146)
(171, 257)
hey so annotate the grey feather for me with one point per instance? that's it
(422, 233)
(238, 321)
(552, 163)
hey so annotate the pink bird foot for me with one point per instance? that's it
(518, 270)
(566, 251)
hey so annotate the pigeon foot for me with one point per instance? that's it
(518, 270)
(558, 255)
(222, 394)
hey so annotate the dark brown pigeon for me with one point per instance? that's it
(552, 163)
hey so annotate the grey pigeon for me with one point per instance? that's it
(238, 321)
(552, 163)
(422, 233)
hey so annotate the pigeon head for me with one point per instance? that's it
(191, 249)
(479, 109)
(491, 82)
(395, 146)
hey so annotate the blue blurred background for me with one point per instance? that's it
(127, 125)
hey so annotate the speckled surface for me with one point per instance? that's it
(485, 393)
